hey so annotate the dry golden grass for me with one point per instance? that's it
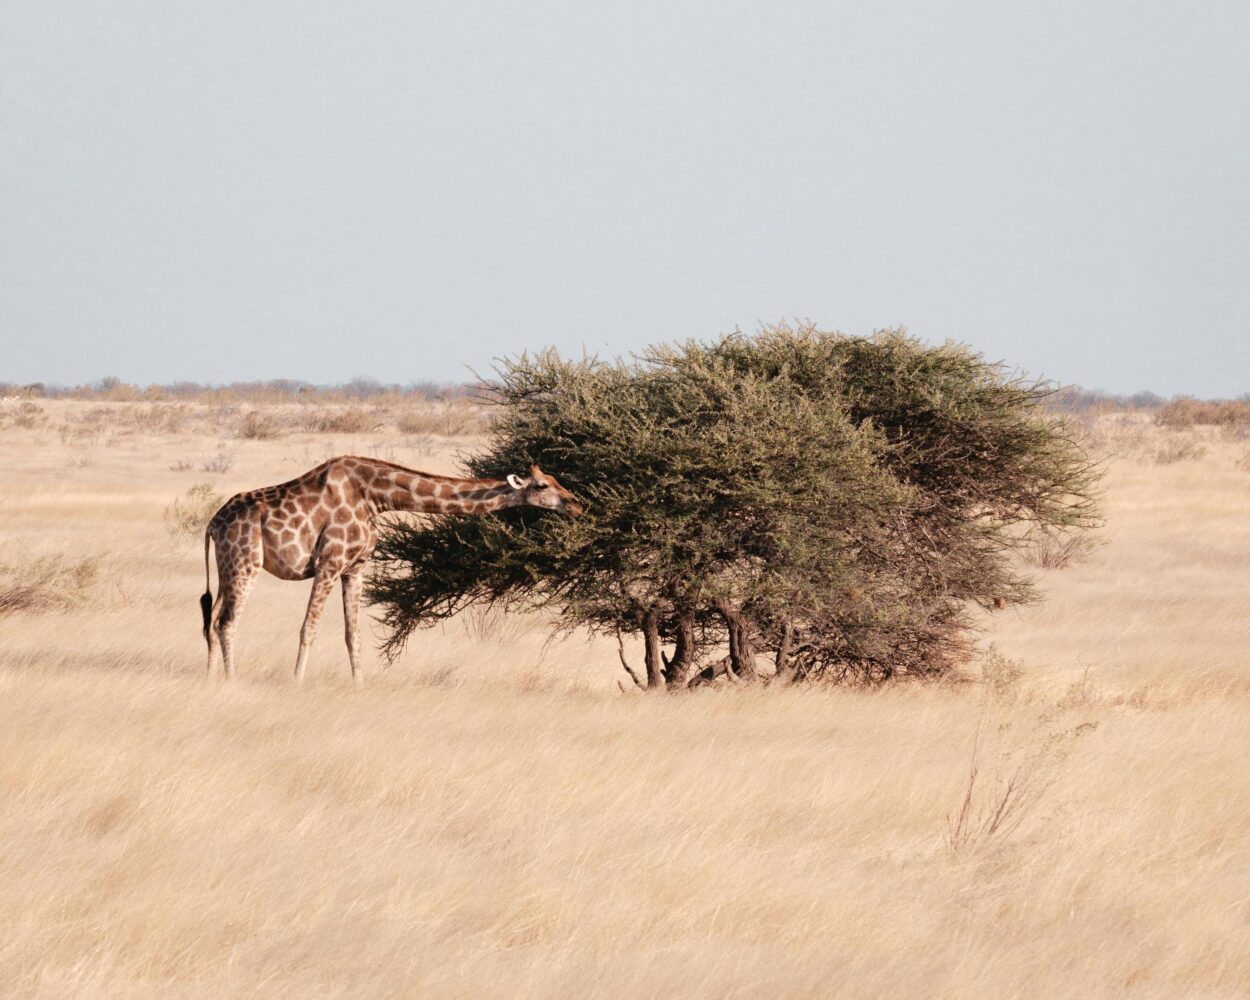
(492, 817)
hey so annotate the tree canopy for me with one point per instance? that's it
(840, 502)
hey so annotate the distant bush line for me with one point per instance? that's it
(281, 390)
(1176, 411)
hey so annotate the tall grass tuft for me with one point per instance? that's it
(47, 583)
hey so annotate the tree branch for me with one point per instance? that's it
(620, 647)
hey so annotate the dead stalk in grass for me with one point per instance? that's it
(999, 810)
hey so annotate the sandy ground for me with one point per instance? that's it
(492, 816)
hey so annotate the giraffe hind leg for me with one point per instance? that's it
(234, 591)
(210, 634)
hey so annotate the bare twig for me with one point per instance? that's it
(959, 830)
(620, 647)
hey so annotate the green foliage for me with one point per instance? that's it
(841, 500)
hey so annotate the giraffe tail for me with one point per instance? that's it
(206, 600)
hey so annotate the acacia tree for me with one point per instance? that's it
(838, 501)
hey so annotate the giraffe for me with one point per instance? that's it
(320, 526)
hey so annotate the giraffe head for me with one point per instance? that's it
(541, 490)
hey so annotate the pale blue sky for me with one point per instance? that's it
(237, 190)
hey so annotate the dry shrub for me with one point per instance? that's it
(87, 430)
(24, 415)
(114, 389)
(182, 465)
(221, 417)
(353, 420)
(1187, 412)
(221, 462)
(80, 435)
(990, 811)
(257, 425)
(1001, 674)
(1179, 450)
(445, 421)
(158, 418)
(494, 624)
(190, 515)
(994, 812)
(1243, 460)
(1057, 549)
(1118, 435)
(47, 583)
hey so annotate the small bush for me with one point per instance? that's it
(222, 417)
(157, 418)
(47, 583)
(24, 415)
(221, 462)
(1243, 461)
(1179, 450)
(258, 426)
(447, 421)
(1058, 550)
(189, 516)
(494, 624)
(79, 436)
(182, 465)
(353, 420)
(1001, 674)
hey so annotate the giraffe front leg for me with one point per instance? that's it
(323, 583)
(351, 617)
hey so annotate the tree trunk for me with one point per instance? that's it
(741, 652)
(654, 655)
(678, 669)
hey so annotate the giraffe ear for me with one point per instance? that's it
(515, 481)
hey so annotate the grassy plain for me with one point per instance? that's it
(494, 816)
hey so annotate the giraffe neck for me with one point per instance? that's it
(392, 488)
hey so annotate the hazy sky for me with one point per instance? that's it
(237, 190)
